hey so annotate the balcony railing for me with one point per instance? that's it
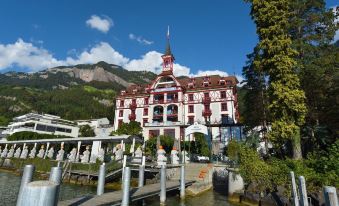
(206, 100)
(206, 112)
(168, 123)
(172, 100)
(133, 106)
(132, 117)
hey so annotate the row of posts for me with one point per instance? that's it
(330, 193)
(126, 181)
(47, 192)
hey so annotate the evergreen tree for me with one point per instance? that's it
(286, 99)
(312, 29)
(255, 112)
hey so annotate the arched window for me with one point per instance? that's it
(158, 113)
(172, 113)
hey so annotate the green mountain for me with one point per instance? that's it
(77, 92)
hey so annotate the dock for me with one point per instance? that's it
(115, 198)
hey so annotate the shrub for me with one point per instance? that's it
(86, 131)
(166, 141)
(32, 136)
(131, 128)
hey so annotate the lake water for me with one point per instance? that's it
(10, 183)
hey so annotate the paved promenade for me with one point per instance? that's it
(115, 198)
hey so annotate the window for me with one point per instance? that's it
(144, 121)
(223, 106)
(171, 97)
(223, 94)
(224, 119)
(206, 95)
(190, 119)
(59, 129)
(146, 101)
(50, 129)
(122, 103)
(154, 133)
(159, 98)
(169, 132)
(145, 111)
(190, 108)
(121, 112)
(134, 101)
(190, 97)
(41, 127)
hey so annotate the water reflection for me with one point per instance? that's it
(9, 187)
(209, 198)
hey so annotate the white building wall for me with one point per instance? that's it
(215, 108)
(183, 114)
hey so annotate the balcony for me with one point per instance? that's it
(172, 114)
(160, 124)
(206, 113)
(133, 106)
(172, 100)
(206, 100)
(158, 115)
(158, 101)
(132, 117)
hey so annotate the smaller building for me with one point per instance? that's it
(100, 126)
(43, 124)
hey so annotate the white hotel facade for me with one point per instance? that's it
(169, 104)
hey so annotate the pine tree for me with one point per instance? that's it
(286, 99)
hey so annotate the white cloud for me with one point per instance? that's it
(211, 72)
(240, 79)
(102, 24)
(26, 55)
(100, 52)
(179, 70)
(140, 39)
(151, 61)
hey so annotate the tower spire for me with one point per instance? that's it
(168, 47)
(168, 57)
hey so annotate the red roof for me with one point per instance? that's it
(199, 83)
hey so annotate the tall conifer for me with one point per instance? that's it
(286, 99)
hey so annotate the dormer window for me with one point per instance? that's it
(123, 92)
(191, 83)
(206, 81)
(222, 82)
(135, 91)
(229, 82)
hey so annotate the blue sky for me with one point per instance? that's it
(206, 36)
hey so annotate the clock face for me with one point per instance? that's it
(167, 68)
